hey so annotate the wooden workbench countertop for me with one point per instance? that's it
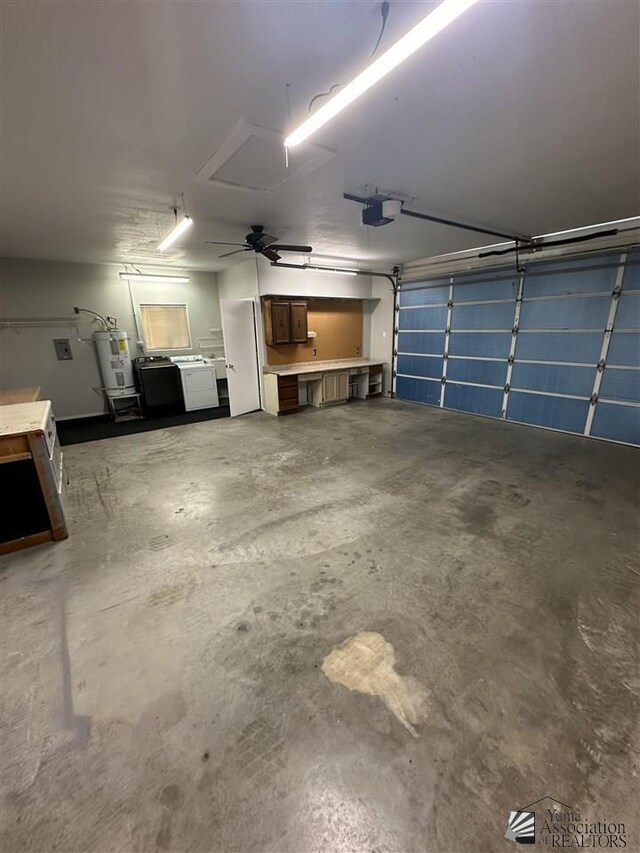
(318, 366)
(21, 418)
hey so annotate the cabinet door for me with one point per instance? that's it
(299, 322)
(342, 386)
(329, 388)
(281, 322)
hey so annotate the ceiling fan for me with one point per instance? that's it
(261, 243)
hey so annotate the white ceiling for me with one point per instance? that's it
(521, 115)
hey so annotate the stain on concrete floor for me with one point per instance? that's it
(366, 663)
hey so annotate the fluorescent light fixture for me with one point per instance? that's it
(423, 32)
(171, 238)
(166, 279)
(329, 269)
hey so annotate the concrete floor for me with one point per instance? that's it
(162, 669)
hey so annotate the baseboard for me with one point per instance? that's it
(80, 417)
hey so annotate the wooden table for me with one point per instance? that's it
(19, 395)
(31, 477)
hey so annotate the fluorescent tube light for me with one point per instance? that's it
(171, 238)
(329, 269)
(425, 30)
(167, 279)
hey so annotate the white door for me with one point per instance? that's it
(241, 352)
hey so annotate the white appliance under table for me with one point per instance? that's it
(198, 379)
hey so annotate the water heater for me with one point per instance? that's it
(115, 363)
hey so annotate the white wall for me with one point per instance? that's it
(308, 283)
(41, 289)
(239, 281)
(381, 326)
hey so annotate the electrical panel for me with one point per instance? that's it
(63, 349)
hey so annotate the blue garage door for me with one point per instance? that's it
(556, 346)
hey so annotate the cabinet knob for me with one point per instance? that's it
(230, 366)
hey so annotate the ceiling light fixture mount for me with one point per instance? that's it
(177, 231)
(423, 32)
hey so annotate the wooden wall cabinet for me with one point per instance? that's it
(280, 323)
(299, 322)
(285, 322)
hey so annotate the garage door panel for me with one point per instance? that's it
(478, 401)
(621, 385)
(482, 290)
(628, 314)
(589, 275)
(631, 279)
(423, 318)
(418, 390)
(420, 365)
(425, 296)
(558, 379)
(571, 313)
(560, 346)
(494, 316)
(485, 345)
(421, 342)
(541, 410)
(483, 372)
(624, 349)
(618, 423)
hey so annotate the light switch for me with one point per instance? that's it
(63, 349)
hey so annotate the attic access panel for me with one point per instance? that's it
(253, 159)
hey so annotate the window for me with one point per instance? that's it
(165, 327)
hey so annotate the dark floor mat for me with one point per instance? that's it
(92, 429)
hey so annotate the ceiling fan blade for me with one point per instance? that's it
(268, 252)
(223, 243)
(289, 247)
(235, 252)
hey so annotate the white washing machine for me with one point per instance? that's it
(198, 380)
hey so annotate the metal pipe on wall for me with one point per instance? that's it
(139, 339)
